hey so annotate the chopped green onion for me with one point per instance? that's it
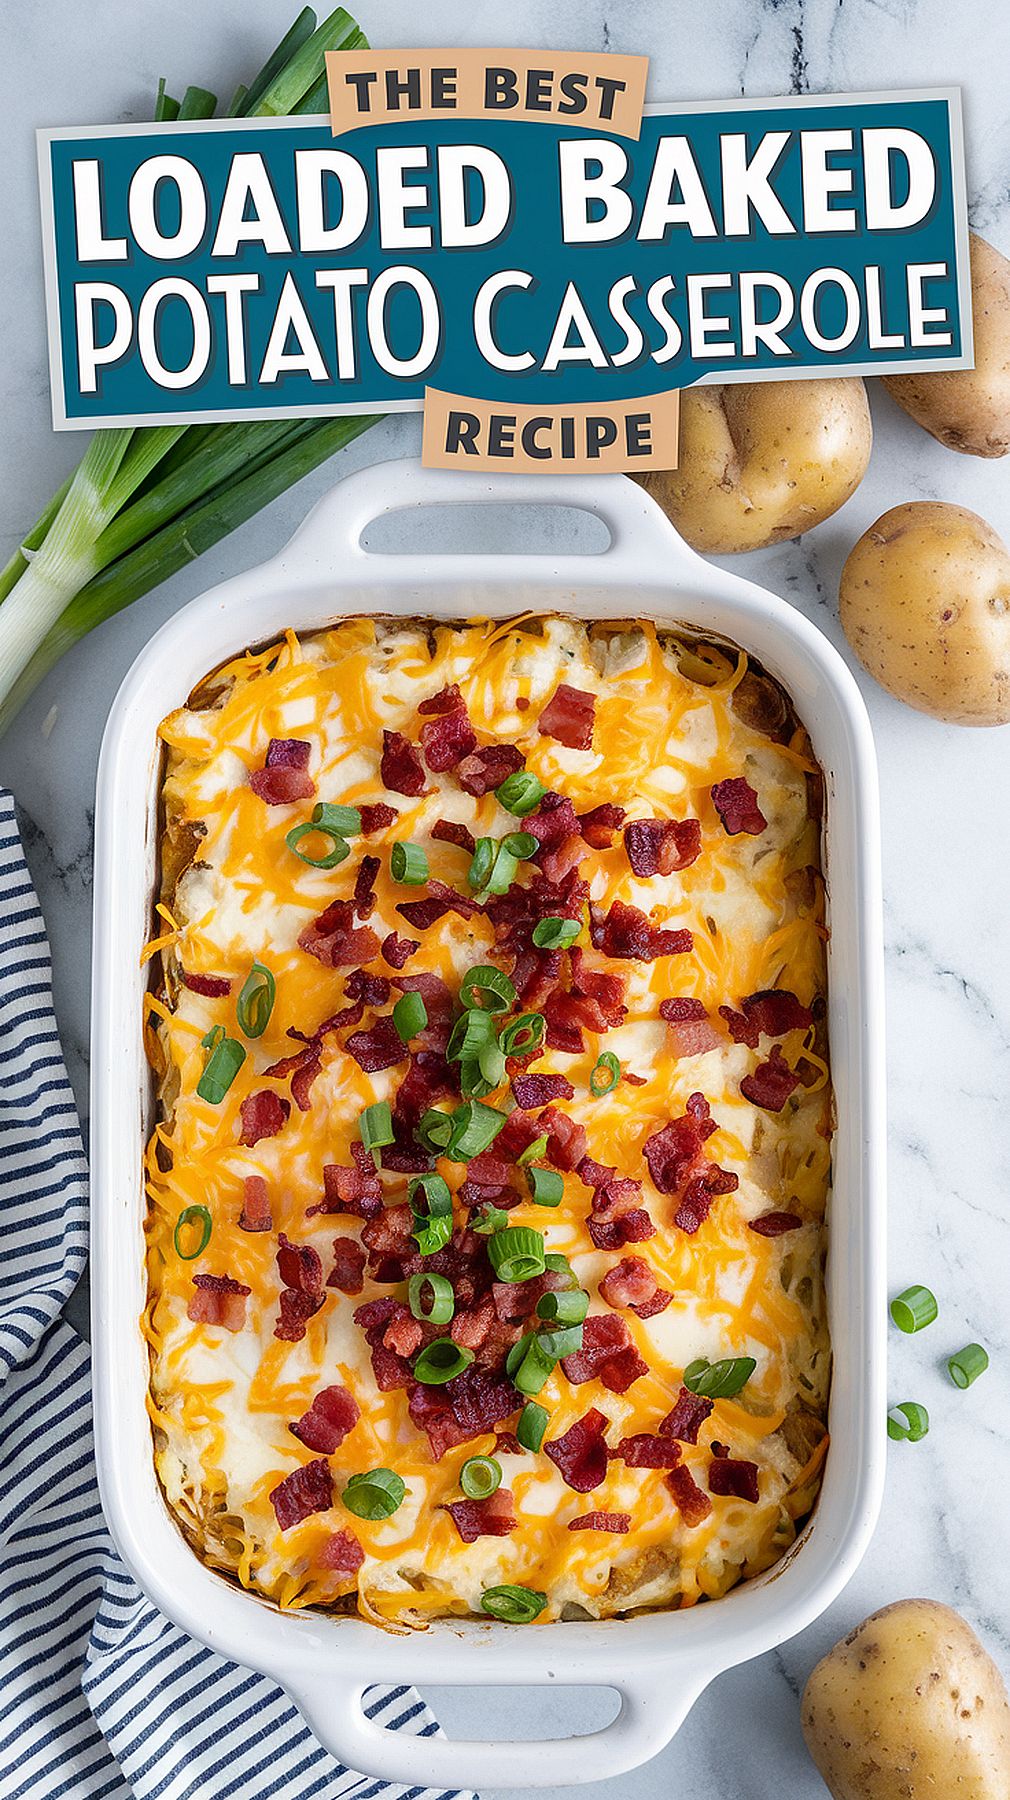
(518, 1351)
(342, 821)
(440, 1361)
(523, 1035)
(433, 1227)
(487, 988)
(517, 1253)
(605, 1075)
(474, 1127)
(480, 1477)
(256, 1001)
(566, 1308)
(555, 934)
(434, 1130)
(503, 872)
(560, 1265)
(375, 1495)
(216, 1035)
(482, 862)
(562, 1342)
(513, 1605)
(219, 1071)
(521, 844)
(375, 1128)
(535, 1367)
(439, 1308)
(337, 853)
(547, 1187)
(481, 1074)
(533, 1422)
(472, 1084)
(491, 1218)
(719, 1380)
(914, 1309)
(186, 1218)
(908, 1420)
(472, 1029)
(531, 1152)
(408, 864)
(967, 1365)
(521, 792)
(410, 1015)
(491, 1058)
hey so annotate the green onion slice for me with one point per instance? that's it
(492, 1218)
(566, 1308)
(521, 792)
(914, 1309)
(479, 1477)
(375, 1128)
(530, 1154)
(967, 1365)
(605, 1075)
(564, 1341)
(440, 1361)
(410, 1015)
(375, 1495)
(533, 1422)
(408, 864)
(256, 1001)
(555, 934)
(521, 844)
(474, 1127)
(513, 1605)
(187, 1217)
(430, 1297)
(908, 1420)
(338, 851)
(487, 988)
(523, 1035)
(517, 1253)
(481, 862)
(719, 1380)
(472, 1030)
(560, 1265)
(535, 1367)
(504, 871)
(340, 821)
(434, 1130)
(547, 1187)
(433, 1225)
(223, 1064)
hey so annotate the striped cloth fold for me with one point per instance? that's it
(100, 1695)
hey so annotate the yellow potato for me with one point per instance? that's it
(969, 409)
(925, 604)
(909, 1707)
(763, 460)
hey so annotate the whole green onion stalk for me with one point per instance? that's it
(144, 502)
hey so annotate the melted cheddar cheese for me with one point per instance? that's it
(672, 718)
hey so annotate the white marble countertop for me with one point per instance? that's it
(945, 790)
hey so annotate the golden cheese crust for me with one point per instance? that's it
(672, 719)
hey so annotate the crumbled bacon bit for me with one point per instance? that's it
(446, 700)
(480, 1399)
(449, 831)
(380, 1047)
(553, 822)
(377, 817)
(341, 1554)
(681, 1010)
(447, 739)
(731, 1476)
(686, 1417)
(693, 1504)
(691, 1031)
(284, 776)
(453, 901)
(364, 886)
(255, 1214)
(299, 1266)
(646, 1450)
(661, 846)
(334, 940)
(598, 825)
(305, 1491)
(404, 1334)
(356, 1190)
(775, 1224)
(674, 1154)
(537, 1090)
(372, 989)
(625, 932)
(771, 1083)
(397, 950)
(737, 805)
(566, 1140)
(507, 1444)
(302, 1080)
(580, 1454)
(438, 1004)
(632, 1283)
(422, 914)
(562, 1031)
(601, 1521)
(487, 768)
(333, 1413)
(568, 717)
(348, 1271)
(263, 1115)
(288, 753)
(607, 1355)
(401, 768)
(516, 1135)
(219, 1300)
(214, 987)
(296, 1309)
(493, 1517)
(771, 1013)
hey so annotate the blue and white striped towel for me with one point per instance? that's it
(99, 1694)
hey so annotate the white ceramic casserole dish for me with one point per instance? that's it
(659, 1662)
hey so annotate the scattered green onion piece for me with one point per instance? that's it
(555, 934)
(521, 792)
(410, 1015)
(533, 1421)
(216, 1035)
(492, 1218)
(480, 1477)
(605, 1075)
(375, 1495)
(481, 862)
(503, 872)
(491, 1062)
(530, 1154)
(474, 1127)
(408, 864)
(433, 1226)
(342, 821)
(434, 1130)
(560, 1265)
(471, 1030)
(442, 1299)
(719, 1380)
(523, 1035)
(518, 1351)
(220, 1069)
(521, 844)
(517, 1253)
(487, 988)
(566, 1308)
(338, 852)
(547, 1187)
(967, 1365)
(535, 1368)
(440, 1361)
(897, 1429)
(513, 1605)
(375, 1128)
(913, 1424)
(186, 1217)
(914, 1309)
(472, 1084)
(256, 1001)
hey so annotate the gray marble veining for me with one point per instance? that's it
(945, 791)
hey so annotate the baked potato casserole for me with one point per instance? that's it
(487, 1193)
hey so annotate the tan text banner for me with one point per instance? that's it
(566, 87)
(619, 435)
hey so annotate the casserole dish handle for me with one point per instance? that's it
(653, 1707)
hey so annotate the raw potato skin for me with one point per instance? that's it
(969, 409)
(764, 460)
(925, 604)
(909, 1707)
